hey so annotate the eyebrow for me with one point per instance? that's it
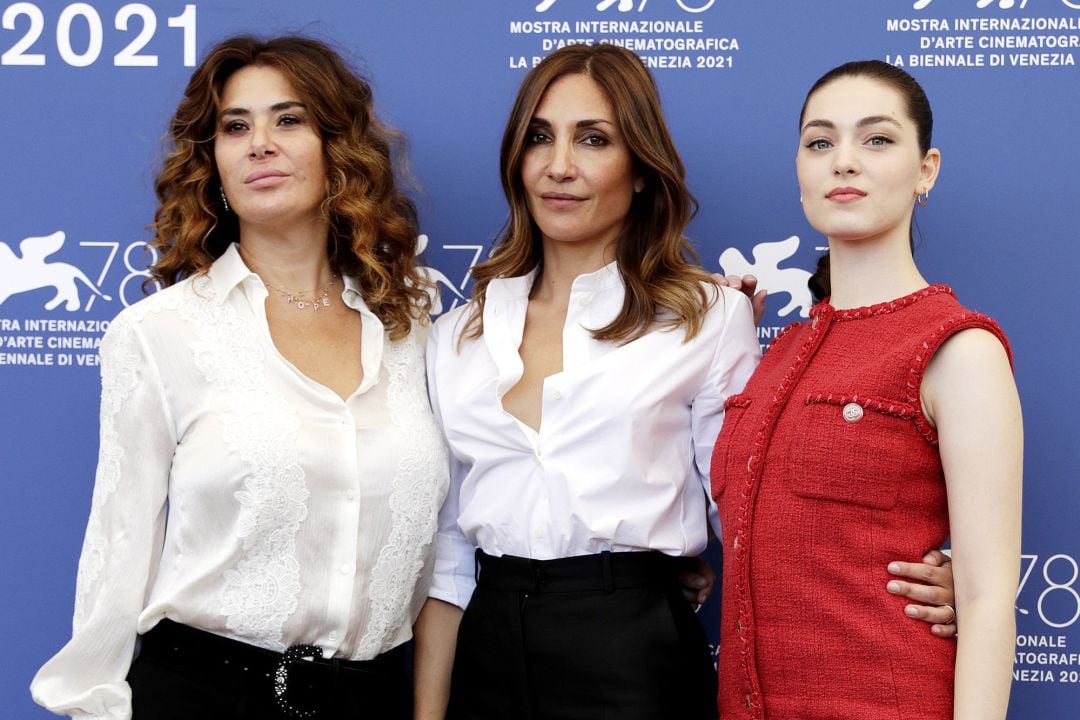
(870, 120)
(276, 107)
(541, 122)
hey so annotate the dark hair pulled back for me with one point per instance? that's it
(917, 106)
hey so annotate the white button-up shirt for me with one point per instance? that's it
(621, 461)
(293, 516)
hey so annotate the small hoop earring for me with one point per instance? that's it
(923, 198)
(224, 200)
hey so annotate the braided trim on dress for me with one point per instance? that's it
(904, 411)
(745, 622)
(925, 353)
(892, 305)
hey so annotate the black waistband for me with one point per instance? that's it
(605, 571)
(205, 653)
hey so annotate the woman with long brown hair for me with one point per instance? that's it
(580, 394)
(582, 387)
(269, 471)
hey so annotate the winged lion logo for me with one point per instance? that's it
(772, 277)
(32, 272)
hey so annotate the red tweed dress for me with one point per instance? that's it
(825, 470)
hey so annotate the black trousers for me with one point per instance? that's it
(595, 637)
(183, 673)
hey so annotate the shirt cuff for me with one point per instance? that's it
(454, 576)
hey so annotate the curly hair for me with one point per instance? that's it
(373, 225)
(659, 267)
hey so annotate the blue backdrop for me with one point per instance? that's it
(87, 90)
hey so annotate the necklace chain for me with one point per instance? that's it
(298, 298)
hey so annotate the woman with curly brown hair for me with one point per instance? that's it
(269, 473)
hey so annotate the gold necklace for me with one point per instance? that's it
(299, 297)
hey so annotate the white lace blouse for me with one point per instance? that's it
(237, 495)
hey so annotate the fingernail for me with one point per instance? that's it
(911, 611)
(894, 568)
(893, 586)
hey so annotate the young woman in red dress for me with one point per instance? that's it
(882, 426)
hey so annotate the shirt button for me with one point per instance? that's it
(538, 532)
(333, 636)
(345, 568)
(853, 412)
(350, 496)
(556, 394)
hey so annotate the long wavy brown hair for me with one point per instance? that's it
(665, 287)
(373, 225)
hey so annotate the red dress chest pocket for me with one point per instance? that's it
(852, 449)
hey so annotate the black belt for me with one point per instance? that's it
(202, 653)
(606, 571)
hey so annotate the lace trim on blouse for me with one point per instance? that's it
(414, 500)
(121, 356)
(262, 591)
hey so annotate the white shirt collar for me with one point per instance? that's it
(518, 288)
(229, 272)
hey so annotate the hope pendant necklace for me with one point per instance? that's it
(320, 299)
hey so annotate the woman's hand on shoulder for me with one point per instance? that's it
(747, 285)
